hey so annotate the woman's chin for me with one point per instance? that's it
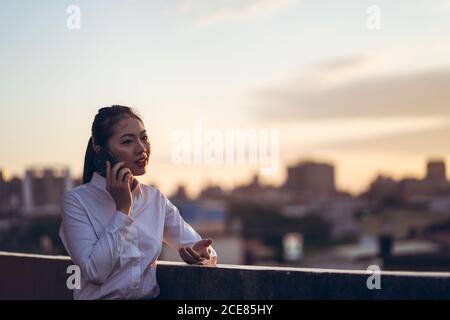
(139, 171)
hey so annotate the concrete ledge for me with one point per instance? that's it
(25, 276)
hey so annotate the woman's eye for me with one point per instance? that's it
(127, 142)
(145, 138)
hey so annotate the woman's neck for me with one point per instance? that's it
(133, 183)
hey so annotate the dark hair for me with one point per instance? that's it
(102, 130)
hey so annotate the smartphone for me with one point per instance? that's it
(101, 158)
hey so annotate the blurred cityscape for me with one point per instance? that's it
(306, 222)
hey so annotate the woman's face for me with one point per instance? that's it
(131, 145)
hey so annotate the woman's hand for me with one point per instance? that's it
(117, 184)
(200, 253)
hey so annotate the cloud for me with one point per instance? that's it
(352, 88)
(330, 131)
(208, 13)
(434, 141)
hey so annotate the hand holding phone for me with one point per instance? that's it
(100, 160)
(118, 185)
(117, 178)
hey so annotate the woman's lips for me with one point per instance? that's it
(141, 163)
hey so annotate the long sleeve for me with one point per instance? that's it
(177, 232)
(95, 256)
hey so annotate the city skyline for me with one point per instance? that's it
(65, 170)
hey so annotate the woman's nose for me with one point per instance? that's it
(141, 147)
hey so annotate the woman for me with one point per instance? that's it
(113, 226)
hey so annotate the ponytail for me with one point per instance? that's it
(88, 162)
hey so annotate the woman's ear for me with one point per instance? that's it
(96, 147)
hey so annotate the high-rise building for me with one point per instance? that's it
(43, 189)
(10, 192)
(14, 193)
(311, 178)
(436, 171)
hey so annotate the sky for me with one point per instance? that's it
(369, 101)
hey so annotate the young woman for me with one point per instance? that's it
(113, 226)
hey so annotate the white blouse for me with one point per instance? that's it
(117, 254)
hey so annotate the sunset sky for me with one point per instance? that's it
(368, 101)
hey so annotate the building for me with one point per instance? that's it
(412, 191)
(311, 178)
(255, 192)
(382, 188)
(213, 192)
(43, 189)
(10, 193)
(436, 172)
